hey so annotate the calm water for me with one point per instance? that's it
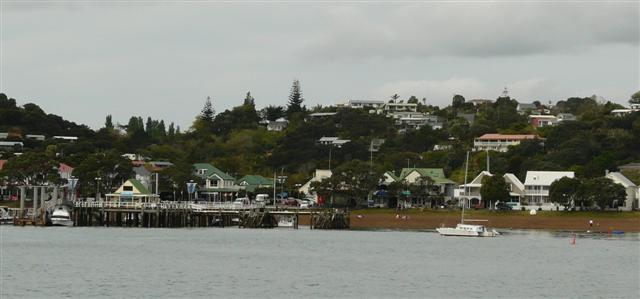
(285, 263)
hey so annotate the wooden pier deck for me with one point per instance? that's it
(188, 214)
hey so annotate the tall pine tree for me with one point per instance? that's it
(249, 100)
(295, 99)
(207, 111)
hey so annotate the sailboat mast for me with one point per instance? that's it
(466, 169)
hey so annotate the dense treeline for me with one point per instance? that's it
(234, 140)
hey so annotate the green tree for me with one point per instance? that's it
(494, 189)
(635, 98)
(457, 101)
(295, 99)
(108, 123)
(249, 100)
(565, 191)
(207, 112)
(604, 192)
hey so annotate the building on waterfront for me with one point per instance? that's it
(633, 191)
(318, 175)
(414, 176)
(499, 142)
(250, 183)
(536, 186)
(470, 192)
(133, 191)
(219, 186)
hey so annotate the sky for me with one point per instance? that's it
(85, 59)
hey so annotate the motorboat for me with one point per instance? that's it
(61, 216)
(5, 215)
(285, 221)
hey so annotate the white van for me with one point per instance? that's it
(262, 198)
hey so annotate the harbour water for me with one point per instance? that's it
(285, 263)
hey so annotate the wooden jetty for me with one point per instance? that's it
(188, 214)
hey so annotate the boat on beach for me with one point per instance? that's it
(467, 230)
(61, 216)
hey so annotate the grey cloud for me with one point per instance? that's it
(477, 30)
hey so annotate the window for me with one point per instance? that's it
(127, 188)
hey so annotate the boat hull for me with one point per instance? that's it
(61, 222)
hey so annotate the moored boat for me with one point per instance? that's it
(61, 216)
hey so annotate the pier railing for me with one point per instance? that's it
(170, 205)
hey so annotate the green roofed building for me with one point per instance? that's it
(252, 182)
(219, 186)
(414, 175)
(133, 191)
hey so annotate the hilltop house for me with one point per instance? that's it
(277, 125)
(470, 192)
(133, 191)
(250, 183)
(364, 104)
(499, 142)
(536, 186)
(633, 191)
(525, 108)
(219, 186)
(539, 121)
(412, 176)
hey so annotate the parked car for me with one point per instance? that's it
(305, 204)
(503, 207)
(241, 202)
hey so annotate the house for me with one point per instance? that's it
(414, 175)
(417, 120)
(470, 192)
(478, 102)
(398, 107)
(65, 171)
(277, 125)
(319, 175)
(539, 121)
(12, 146)
(252, 182)
(66, 138)
(629, 166)
(335, 141)
(536, 186)
(135, 157)
(525, 108)
(565, 117)
(157, 166)
(133, 191)
(320, 115)
(633, 191)
(364, 104)
(499, 142)
(219, 186)
(35, 137)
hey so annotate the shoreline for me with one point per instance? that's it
(603, 222)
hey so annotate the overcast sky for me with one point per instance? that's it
(86, 59)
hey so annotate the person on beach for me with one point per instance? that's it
(590, 223)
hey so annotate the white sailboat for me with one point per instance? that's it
(467, 230)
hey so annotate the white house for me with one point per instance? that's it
(471, 191)
(364, 104)
(397, 107)
(633, 191)
(277, 125)
(499, 142)
(536, 186)
(333, 141)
